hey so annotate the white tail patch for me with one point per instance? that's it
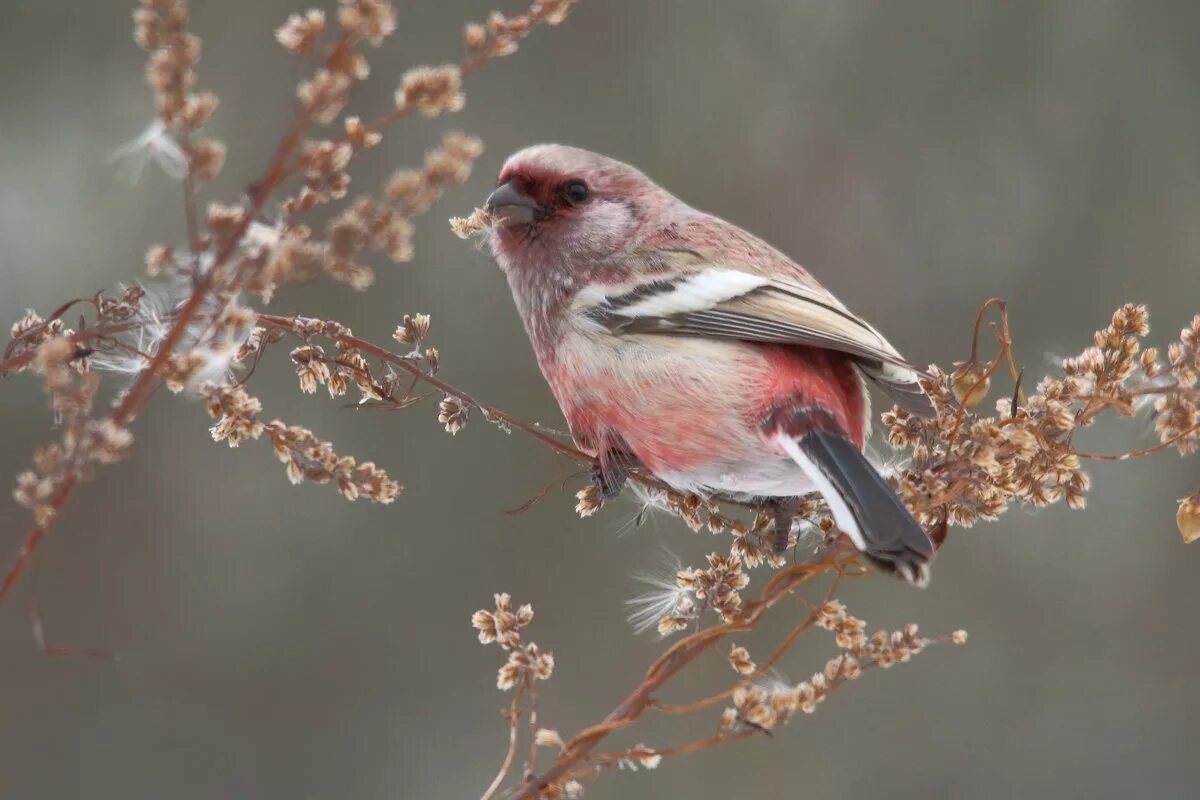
(837, 504)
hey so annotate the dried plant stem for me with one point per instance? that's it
(514, 717)
(278, 171)
(690, 747)
(147, 380)
(1005, 355)
(669, 664)
(531, 761)
(762, 668)
(1145, 451)
(34, 536)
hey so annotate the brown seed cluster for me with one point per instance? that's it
(500, 35)
(373, 20)
(412, 330)
(479, 221)
(967, 468)
(191, 331)
(299, 34)
(719, 586)
(160, 28)
(431, 91)
(502, 625)
(324, 95)
(369, 225)
(304, 456)
(1188, 518)
(766, 706)
(85, 440)
(452, 413)
(346, 365)
(739, 659)
(416, 191)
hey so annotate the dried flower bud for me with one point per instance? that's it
(590, 500)
(412, 330)
(324, 96)
(205, 159)
(359, 135)
(474, 35)
(300, 33)
(547, 737)
(373, 20)
(466, 227)
(197, 109)
(739, 659)
(970, 384)
(452, 413)
(431, 90)
(1188, 518)
(157, 257)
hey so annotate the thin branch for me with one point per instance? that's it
(763, 668)
(675, 659)
(514, 716)
(1139, 453)
(35, 534)
(690, 747)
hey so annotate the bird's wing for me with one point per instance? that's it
(706, 295)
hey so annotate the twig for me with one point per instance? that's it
(676, 658)
(1139, 453)
(690, 747)
(762, 668)
(514, 716)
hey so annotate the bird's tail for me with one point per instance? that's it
(862, 503)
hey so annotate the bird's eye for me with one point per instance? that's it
(576, 192)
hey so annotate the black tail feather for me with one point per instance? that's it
(879, 523)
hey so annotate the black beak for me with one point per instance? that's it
(513, 206)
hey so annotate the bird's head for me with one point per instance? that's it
(562, 204)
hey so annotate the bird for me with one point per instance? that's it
(680, 344)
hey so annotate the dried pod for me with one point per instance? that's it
(1188, 518)
(970, 384)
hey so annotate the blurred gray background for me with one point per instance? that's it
(277, 642)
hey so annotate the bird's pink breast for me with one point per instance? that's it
(705, 417)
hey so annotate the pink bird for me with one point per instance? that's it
(681, 344)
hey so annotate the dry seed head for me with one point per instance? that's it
(300, 32)
(479, 221)
(359, 135)
(197, 109)
(739, 659)
(547, 737)
(324, 96)
(590, 500)
(373, 20)
(474, 35)
(452, 413)
(205, 159)
(970, 384)
(412, 330)
(431, 90)
(1188, 518)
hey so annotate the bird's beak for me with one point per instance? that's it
(513, 206)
